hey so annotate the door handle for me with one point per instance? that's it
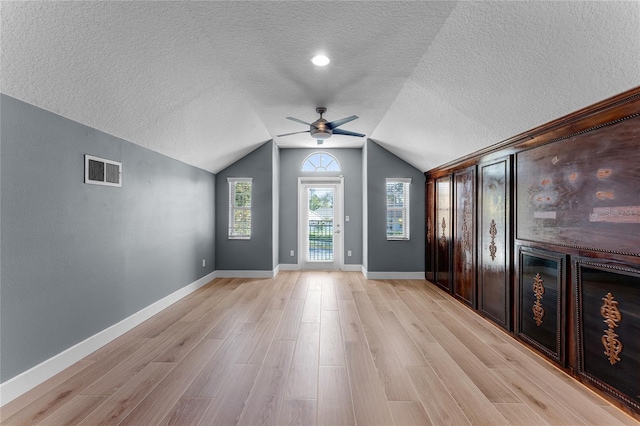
(338, 231)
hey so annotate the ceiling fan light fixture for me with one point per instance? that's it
(320, 60)
(320, 134)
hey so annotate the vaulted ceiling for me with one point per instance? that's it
(207, 82)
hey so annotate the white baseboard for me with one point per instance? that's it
(392, 275)
(352, 268)
(289, 267)
(29, 379)
(227, 273)
(360, 268)
(296, 267)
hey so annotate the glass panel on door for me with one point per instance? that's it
(320, 229)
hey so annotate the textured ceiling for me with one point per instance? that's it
(207, 82)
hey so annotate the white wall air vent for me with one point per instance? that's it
(98, 171)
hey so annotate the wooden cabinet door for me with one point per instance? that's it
(443, 233)
(607, 326)
(540, 311)
(464, 246)
(429, 231)
(494, 276)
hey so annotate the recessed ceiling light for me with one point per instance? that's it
(320, 60)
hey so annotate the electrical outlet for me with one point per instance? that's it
(204, 262)
(292, 253)
(349, 253)
(346, 218)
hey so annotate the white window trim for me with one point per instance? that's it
(335, 159)
(232, 207)
(406, 209)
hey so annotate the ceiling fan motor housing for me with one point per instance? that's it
(320, 130)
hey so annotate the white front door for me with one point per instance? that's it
(320, 233)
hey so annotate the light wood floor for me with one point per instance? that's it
(313, 348)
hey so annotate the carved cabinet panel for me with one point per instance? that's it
(540, 302)
(429, 230)
(443, 233)
(608, 303)
(494, 288)
(464, 247)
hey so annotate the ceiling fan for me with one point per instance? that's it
(322, 129)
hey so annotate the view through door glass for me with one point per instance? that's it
(320, 224)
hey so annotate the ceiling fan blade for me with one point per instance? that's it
(298, 120)
(347, 133)
(294, 133)
(338, 123)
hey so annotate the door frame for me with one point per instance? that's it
(338, 242)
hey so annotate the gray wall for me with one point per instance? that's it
(255, 254)
(78, 258)
(290, 162)
(365, 209)
(276, 205)
(393, 256)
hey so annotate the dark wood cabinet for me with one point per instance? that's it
(566, 196)
(608, 326)
(429, 231)
(464, 245)
(494, 283)
(540, 295)
(443, 233)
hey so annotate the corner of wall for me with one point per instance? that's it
(256, 252)
(276, 204)
(365, 206)
(405, 256)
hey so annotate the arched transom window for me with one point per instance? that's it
(320, 162)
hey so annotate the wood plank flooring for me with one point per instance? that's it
(325, 348)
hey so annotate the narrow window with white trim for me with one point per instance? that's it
(398, 208)
(239, 208)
